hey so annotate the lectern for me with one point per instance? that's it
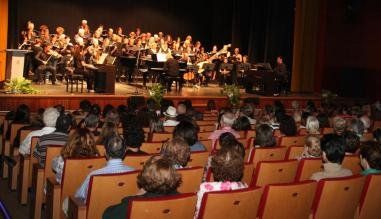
(15, 63)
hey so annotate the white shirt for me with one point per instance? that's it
(25, 145)
(170, 123)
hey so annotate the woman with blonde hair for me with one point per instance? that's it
(312, 125)
(81, 144)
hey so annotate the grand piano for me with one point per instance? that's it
(260, 80)
(104, 81)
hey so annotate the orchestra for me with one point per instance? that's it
(133, 51)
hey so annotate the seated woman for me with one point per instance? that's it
(227, 168)
(81, 144)
(177, 151)
(188, 131)
(264, 136)
(311, 147)
(242, 123)
(108, 129)
(133, 139)
(312, 125)
(158, 178)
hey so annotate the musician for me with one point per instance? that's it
(237, 57)
(45, 33)
(86, 28)
(29, 34)
(164, 49)
(281, 76)
(110, 34)
(119, 31)
(45, 59)
(214, 50)
(83, 68)
(171, 68)
(245, 59)
(79, 38)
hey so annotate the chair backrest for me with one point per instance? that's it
(204, 135)
(292, 200)
(151, 147)
(23, 134)
(376, 124)
(169, 207)
(109, 189)
(208, 144)
(302, 131)
(294, 152)
(352, 162)
(248, 171)
(370, 202)
(210, 118)
(191, 179)
(327, 131)
(169, 128)
(288, 141)
(206, 122)
(307, 167)
(271, 172)
(136, 161)
(14, 129)
(241, 203)
(75, 172)
(250, 133)
(367, 137)
(268, 154)
(243, 141)
(198, 158)
(52, 151)
(337, 198)
(157, 137)
(207, 128)
(101, 149)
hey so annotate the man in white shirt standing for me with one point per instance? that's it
(49, 117)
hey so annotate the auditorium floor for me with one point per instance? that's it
(10, 200)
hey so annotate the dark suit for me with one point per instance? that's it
(41, 57)
(171, 68)
(281, 77)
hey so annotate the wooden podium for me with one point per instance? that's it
(15, 63)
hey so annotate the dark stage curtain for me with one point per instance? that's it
(263, 29)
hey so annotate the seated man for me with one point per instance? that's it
(171, 68)
(333, 155)
(170, 117)
(58, 137)
(370, 158)
(226, 122)
(115, 152)
(50, 118)
(45, 58)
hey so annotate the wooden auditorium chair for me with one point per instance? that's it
(307, 167)
(204, 135)
(207, 128)
(104, 190)
(160, 137)
(205, 122)
(241, 203)
(74, 173)
(136, 161)
(376, 125)
(208, 144)
(337, 198)
(370, 201)
(367, 137)
(271, 172)
(267, 154)
(326, 131)
(101, 149)
(248, 170)
(151, 147)
(191, 179)
(288, 141)
(39, 177)
(170, 207)
(169, 129)
(243, 141)
(26, 170)
(289, 200)
(198, 158)
(294, 152)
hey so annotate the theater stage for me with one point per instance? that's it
(50, 95)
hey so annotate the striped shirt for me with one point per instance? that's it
(55, 138)
(112, 166)
(25, 145)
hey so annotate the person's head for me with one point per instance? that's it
(279, 59)
(227, 165)
(85, 105)
(323, 120)
(50, 117)
(264, 136)
(242, 123)
(356, 126)
(60, 108)
(95, 109)
(108, 129)
(297, 116)
(80, 144)
(22, 113)
(171, 113)
(339, 125)
(176, 150)
(287, 126)
(227, 119)
(187, 131)
(134, 137)
(156, 124)
(332, 147)
(115, 149)
(312, 145)
(112, 116)
(228, 141)
(91, 122)
(181, 109)
(352, 142)
(64, 122)
(151, 104)
(312, 125)
(370, 156)
(247, 110)
(107, 109)
(159, 176)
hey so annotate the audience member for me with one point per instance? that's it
(312, 125)
(370, 158)
(311, 147)
(339, 125)
(170, 117)
(356, 126)
(157, 179)
(287, 126)
(352, 142)
(226, 122)
(333, 154)
(177, 151)
(133, 139)
(264, 136)
(242, 123)
(188, 131)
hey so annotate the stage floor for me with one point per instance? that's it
(50, 95)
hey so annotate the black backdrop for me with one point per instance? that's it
(263, 29)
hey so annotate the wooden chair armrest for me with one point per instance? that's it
(53, 198)
(77, 208)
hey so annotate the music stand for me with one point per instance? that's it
(226, 67)
(208, 66)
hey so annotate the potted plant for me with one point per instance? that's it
(156, 92)
(233, 94)
(19, 85)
